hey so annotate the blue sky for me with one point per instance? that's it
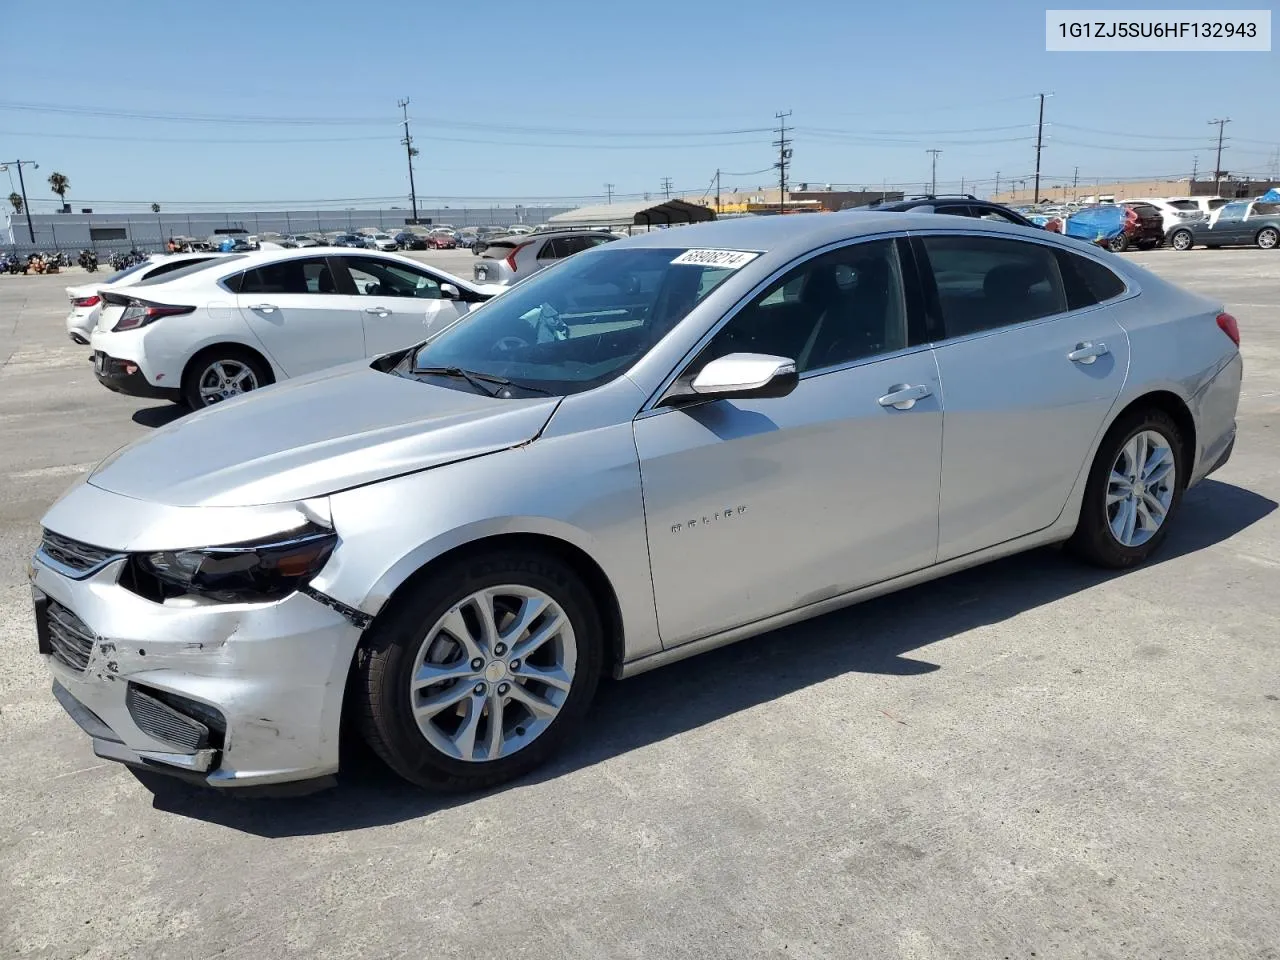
(512, 98)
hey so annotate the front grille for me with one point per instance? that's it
(73, 556)
(159, 720)
(70, 639)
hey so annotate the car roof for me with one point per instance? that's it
(256, 258)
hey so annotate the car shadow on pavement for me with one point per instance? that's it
(876, 637)
(159, 416)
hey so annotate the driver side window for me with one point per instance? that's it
(838, 307)
(384, 278)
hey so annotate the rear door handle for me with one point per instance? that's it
(1087, 352)
(903, 396)
(380, 311)
(263, 307)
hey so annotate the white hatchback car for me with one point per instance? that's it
(515, 257)
(207, 333)
(86, 298)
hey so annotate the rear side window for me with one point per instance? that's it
(984, 283)
(1087, 281)
(552, 250)
(289, 276)
(170, 267)
(186, 269)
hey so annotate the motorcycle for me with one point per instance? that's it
(88, 260)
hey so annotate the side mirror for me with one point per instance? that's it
(450, 292)
(743, 376)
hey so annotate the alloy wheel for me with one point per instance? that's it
(1140, 488)
(1181, 240)
(1267, 238)
(493, 673)
(224, 379)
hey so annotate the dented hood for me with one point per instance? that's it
(316, 435)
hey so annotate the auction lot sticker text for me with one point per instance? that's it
(1158, 30)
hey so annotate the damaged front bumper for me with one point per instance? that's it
(229, 695)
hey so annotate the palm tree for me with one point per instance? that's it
(15, 198)
(155, 208)
(59, 184)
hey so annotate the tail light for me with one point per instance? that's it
(1227, 324)
(86, 301)
(138, 314)
(511, 257)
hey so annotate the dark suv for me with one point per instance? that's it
(956, 205)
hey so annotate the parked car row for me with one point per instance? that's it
(661, 445)
(200, 328)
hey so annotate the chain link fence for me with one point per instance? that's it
(107, 233)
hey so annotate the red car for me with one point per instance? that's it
(1143, 228)
(442, 241)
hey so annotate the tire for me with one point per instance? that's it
(231, 357)
(405, 639)
(1181, 240)
(1268, 238)
(1119, 243)
(1095, 540)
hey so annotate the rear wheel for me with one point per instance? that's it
(479, 674)
(1268, 237)
(221, 373)
(1133, 491)
(1181, 240)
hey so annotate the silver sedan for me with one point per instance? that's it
(651, 449)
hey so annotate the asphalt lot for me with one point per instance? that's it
(1030, 759)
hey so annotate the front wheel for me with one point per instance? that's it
(478, 674)
(1118, 243)
(1181, 240)
(1133, 491)
(1268, 237)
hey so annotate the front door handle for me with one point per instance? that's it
(903, 396)
(380, 311)
(1087, 352)
(263, 307)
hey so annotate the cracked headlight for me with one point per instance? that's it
(239, 572)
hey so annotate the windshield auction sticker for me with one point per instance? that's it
(724, 259)
(1158, 30)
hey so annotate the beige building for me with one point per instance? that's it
(1085, 190)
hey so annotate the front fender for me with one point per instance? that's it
(581, 488)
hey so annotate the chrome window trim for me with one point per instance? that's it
(1131, 290)
(650, 405)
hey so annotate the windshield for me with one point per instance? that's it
(579, 324)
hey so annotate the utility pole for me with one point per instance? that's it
(1075, 180)
(666, 187)
(997, 190)
(1039, 145)
(608, 189)
(1195, 167)
(1217, 166)
(22, 185)
(784, 158)
(717, 191)
(962, 186)
(933, 189)
(409, 152)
